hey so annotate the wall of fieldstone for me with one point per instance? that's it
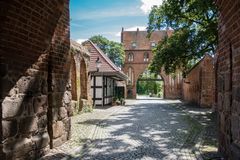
(228, 78)
(35, 94)
(198, 86)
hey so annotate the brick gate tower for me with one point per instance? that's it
(138, 55)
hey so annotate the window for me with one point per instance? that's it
(146, 57)
(153, 44)
(130, 57)
(134, 44)
(130, 76)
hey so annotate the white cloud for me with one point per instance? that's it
(81, 40)
(134, 28)
(147, 5)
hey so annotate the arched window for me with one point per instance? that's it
(130, 76)
(130, 57)
(153, 44)
(146, 57)
(134, 45)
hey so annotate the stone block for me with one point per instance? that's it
(42, 123)
(72, 109)
(41, 141)
(28, 106)
(24, 145)
(13, 92)
(55, 100)
(57, 142)
(54, 114)
(28, 124)
(11, 107)
(67, 124)
(24, 84)
(62, 112)
(67, 98)
(40, 104)
(64, 137)
(58, 129)
(9, 128)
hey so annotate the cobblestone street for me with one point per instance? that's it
(143, 129)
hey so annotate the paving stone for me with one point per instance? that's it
(143, 129)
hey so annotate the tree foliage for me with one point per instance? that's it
(113, 50)
(195, 32)
(149, 87)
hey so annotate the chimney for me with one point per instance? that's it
(122, 35)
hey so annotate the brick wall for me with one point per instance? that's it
(198, 86)
(35, 92)
(172, 83)
(228, 77)
(81, 58)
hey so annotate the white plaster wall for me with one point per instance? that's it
(99, 81)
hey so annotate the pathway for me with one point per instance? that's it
(143, 129)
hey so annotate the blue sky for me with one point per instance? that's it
(107, 17)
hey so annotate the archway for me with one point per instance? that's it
(73, 80)
(150, 86)
(83, 80)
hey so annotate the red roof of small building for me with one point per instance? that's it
(107, 66)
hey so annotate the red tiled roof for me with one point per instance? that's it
(106, 66)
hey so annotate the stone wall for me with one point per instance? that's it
(198, 86)
(228, 77)
(35, 94)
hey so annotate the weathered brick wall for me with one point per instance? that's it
(228, 77)
(172, 85)
(198, 86)
(34, 84)
(81, 58)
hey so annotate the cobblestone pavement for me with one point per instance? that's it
(143, 129)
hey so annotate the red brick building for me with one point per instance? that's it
(138, 55)
(198, 86)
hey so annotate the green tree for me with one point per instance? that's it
(113, 50)
(195, 33)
